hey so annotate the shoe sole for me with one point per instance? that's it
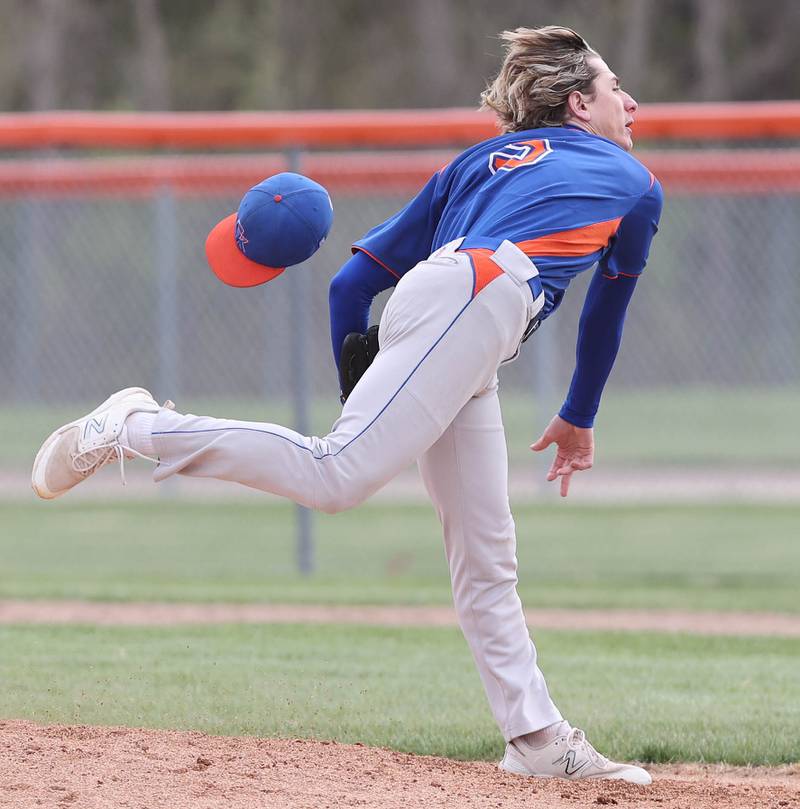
(44, 453)
(510, 769)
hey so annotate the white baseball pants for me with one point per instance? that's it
(430, 395)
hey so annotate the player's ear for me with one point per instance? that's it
(577, 107)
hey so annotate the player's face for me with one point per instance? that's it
(611, 110)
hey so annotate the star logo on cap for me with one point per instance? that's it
(241, 239)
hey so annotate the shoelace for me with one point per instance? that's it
(93, 459)
(84, 463)
(576, 740)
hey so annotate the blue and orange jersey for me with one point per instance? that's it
(568, 199)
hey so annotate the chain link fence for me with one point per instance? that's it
(106, 285)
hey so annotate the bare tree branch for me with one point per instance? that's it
(437, 65)
(633, 61)
(709, 47)
(47, 48)
(153, 60)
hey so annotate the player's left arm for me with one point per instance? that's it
(380, 258)
(599, 337)
(350, 296)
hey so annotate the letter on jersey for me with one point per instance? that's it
(514, 155)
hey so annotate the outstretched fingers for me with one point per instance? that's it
(574, 450)
(566, 470)
(574, 465)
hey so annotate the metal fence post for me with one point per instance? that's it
(300, 297)
(27, 358)
(166, 265)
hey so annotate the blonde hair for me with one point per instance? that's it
(542, 66)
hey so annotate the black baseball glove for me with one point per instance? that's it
(358, 351)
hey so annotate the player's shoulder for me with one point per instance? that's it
(633, 177)
(642, 181)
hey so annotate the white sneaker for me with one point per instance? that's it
(78, 449)
(568, 756)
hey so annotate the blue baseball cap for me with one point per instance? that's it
(280, 222)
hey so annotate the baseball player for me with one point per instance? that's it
(478, 259)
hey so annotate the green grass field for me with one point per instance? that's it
(648, 696)
(655, 698)
(668, 556)
(691, 427)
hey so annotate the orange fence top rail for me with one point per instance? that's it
(691, 172)
(384, 128)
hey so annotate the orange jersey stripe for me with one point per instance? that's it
(485, 269)
(577, 242)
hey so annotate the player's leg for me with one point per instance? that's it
(372, 441)
(439, 344)
(466, 473)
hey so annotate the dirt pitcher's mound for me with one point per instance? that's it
(88, 768)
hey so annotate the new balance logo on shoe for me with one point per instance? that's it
(96, 425)
(571, 766)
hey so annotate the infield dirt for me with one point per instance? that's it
(94, 768)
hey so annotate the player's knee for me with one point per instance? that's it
(480, 594)
(334, 502)
(343, 484)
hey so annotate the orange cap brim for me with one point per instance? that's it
(229, 264)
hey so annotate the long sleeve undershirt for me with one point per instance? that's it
(603, 314)
(351, 293)
(599, 338)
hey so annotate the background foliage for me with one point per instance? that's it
(296, 54)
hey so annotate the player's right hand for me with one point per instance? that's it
(574, 450)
